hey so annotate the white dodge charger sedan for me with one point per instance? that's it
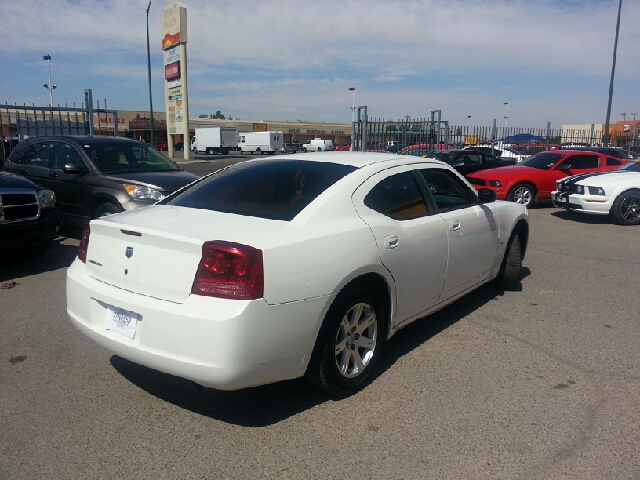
(615, 193)
(274, 269)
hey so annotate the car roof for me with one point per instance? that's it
(354, 159)
(81, 139)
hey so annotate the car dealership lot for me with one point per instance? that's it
(541, 383)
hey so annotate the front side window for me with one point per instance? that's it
(579, 162)
(67, 155)
(127, 157)
(449, 192)
(397, 197)
(276, 190)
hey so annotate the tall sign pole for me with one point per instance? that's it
(149, 70)
(174, 44)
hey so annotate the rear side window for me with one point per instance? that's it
(397, 197)
(613, 161)
(37, 155)
(276, 190)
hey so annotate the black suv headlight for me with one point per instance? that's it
(46, 198)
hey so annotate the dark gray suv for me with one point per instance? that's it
(96, 176)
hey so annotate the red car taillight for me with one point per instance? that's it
(84, 242)
(229, 270)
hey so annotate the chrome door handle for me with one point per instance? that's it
(391, 241)
(454, 225)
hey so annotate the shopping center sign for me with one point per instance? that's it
(174, 44)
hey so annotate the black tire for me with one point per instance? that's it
(337, 374)
(626, 208)
(209, 151)
(319, 149)
(106, 209)
(523, 193)
(511, 268)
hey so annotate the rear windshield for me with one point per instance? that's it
(543, 161)
(276, 190)
(127, 157)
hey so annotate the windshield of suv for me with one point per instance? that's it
(275, 190)
(127, 157)
(543, 161)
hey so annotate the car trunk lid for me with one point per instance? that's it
(155, 251)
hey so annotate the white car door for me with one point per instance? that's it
(473, 229)
(411, 237)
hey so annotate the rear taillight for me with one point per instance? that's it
(229, 270)
(84, 242)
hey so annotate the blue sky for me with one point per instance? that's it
(291, 59)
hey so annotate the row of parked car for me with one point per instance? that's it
(46, 180)
(575, 179)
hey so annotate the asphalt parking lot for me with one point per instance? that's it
(542, 383)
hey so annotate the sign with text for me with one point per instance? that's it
(172, 71)
(171, 116)
(260, 127)
(172, 55)
(174, 25)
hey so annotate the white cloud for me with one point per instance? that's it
(285, 56)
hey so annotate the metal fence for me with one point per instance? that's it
(394, 135)
(18, 122)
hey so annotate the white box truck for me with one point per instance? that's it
(260, 142)
(318, 145)
(214, 140)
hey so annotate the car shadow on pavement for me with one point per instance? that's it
(270, 404)
(250, 407)
(60, 255)
(583, 218)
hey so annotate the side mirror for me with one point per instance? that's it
(74, 169)
(486, 196)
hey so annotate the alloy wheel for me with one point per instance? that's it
(356, 340)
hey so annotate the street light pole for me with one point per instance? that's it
(353, 108)
(49, 86)
(149, 70)
(353, 119)
(506, 117)
(613, 71)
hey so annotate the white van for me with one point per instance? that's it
(317, 145)
(260, 142)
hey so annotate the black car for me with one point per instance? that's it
(96, 176)
(470, 161)
(611, 151)
(28, 216)
(292, 147)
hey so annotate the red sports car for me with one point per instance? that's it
(534, 179)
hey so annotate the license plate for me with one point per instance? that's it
(121, 321)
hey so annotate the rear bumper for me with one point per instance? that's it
(224, 344)
(21, 235)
